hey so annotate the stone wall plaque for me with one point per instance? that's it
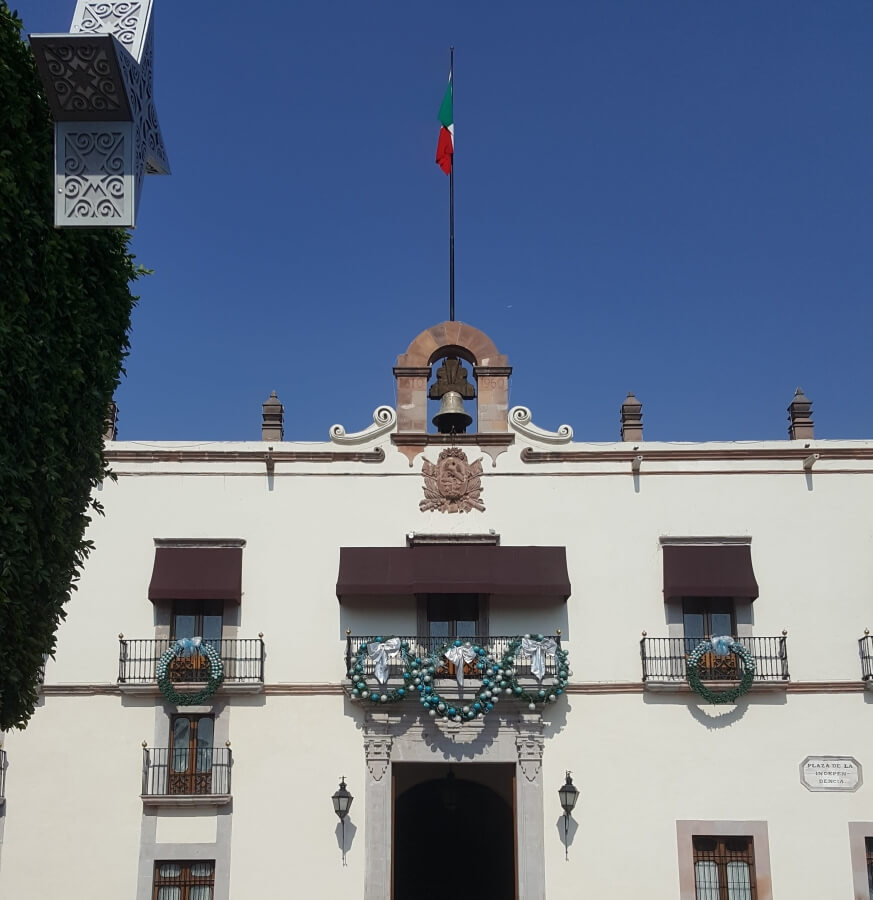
(831, 773)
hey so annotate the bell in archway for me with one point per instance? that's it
(452, 417)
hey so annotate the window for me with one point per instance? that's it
(184, 880)
(725, 860)
(191, 742)
(724, 868)
(452, 616)
(195, 618)
(703, 617)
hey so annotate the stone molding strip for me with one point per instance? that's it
(588, 687)
(279, 456)
(201, 543)
(412, 443)
(419, 439)
(529, 455)
(609, 473)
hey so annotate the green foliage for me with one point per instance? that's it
(65, 308)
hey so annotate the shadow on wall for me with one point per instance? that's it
(713, 717)
(345, 838)
(571, 827)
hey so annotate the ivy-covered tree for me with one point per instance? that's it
(65, 306)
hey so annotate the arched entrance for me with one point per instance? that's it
(454, 829)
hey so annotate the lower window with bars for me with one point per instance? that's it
(184, 880)
(724, 868)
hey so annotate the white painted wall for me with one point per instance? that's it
(641, 760)
(73, 811)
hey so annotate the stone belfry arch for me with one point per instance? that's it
(448, 341)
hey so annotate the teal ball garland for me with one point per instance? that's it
(497, 677)
(165, 684)
(731, 695)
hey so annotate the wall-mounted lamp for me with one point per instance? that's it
(342, 801)
(636, 462)
(569, 794)
(810, 461)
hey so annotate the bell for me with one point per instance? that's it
(452, 417)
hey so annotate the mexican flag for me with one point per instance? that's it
(446, 144)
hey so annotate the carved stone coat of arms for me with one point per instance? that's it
(453, 484)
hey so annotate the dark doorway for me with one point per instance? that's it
(454, 829)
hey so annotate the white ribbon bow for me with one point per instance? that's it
(458, 656)
(537, 651)
(378, 652)
(722, 644)
(188, 646)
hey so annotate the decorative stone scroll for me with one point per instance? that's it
(453, 484)
(520, 420)
(384, 421)
(98, 82)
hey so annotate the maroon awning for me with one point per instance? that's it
(718, 570)
(197, 573)
(453, 569)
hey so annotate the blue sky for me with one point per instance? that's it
(674, 198)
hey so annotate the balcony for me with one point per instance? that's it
(183, 776)
(495, 645)
(2, 777)
(865, 651)
(664, 662)
(243, 660)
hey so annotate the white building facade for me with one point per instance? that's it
(496, 550)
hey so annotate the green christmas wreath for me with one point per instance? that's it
(382, 693)
(721, 646)
(186, 647)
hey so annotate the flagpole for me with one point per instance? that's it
(452, 199)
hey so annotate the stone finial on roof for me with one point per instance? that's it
(272, 426)
(110, 424)
(800, 417)
(631, 419)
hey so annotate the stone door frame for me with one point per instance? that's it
(392, 738)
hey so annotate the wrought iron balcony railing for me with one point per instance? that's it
(865, 650)
(243, 660)
(2, 776)
(664, 660)
(420, 646)
(186, 772)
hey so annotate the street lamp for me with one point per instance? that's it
(569, 794)
(342, 801)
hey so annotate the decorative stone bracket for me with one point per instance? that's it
(530, 754)
(377, 748)
(520, 421)
(384, 421)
